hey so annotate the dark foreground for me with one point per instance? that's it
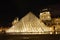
(30, 37)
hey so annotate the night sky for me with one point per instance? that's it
(18, 8)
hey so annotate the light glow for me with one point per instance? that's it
(30, 24)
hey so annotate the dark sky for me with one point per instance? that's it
(18, 8)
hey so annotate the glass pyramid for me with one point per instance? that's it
(29, 23)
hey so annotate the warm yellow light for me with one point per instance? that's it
(56, 32)
(30, 24)
(51, 33)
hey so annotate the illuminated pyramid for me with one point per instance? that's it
(29, 23)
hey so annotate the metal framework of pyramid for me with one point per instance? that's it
(29, 23)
